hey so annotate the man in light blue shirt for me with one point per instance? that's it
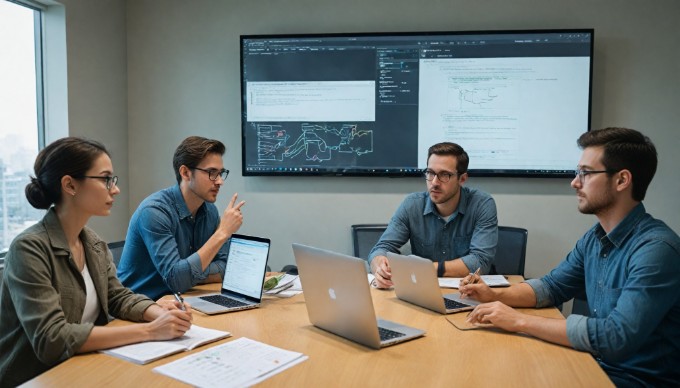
(628, 264)
(454, 226)
(176, 238)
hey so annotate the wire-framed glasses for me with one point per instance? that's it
(581, 174)
(110, 180)
(443, 176)
(214, 173)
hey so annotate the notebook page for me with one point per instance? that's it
(490, 280)
(145, 352)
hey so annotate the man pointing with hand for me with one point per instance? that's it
(176, 238)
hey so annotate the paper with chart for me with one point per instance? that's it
(239, 363)
(490, 280)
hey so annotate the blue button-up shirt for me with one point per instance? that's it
(471, 233)
(632, 279)
(160, 254)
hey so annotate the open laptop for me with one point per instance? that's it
(243, 277)
(339, 300)
(415, 281)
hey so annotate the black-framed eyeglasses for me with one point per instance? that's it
(213, 173)
(443, 176)
(581, 174)
(110, 180)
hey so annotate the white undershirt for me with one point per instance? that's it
(91, 311)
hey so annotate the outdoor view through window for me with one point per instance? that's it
(18, 118)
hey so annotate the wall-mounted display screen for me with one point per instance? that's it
(372, 104)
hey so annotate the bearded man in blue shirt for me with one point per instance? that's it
(628, 264)
(176, 238)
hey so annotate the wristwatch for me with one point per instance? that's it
(441, 268)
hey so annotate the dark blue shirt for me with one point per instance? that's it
(160, 255)
(471, 233)
(632, 279)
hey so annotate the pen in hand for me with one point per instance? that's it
(180, 300)
(474, 278)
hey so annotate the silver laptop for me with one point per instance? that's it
(415, 281)
(243, 277)
(339, 300)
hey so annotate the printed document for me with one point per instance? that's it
(239, 363)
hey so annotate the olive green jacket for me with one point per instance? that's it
(43, 297)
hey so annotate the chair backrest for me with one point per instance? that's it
(364, 238)
(290, 269)
(580, 304)
(116, 249)
(510, 251)
(580, 307)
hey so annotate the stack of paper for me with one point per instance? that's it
(289, 285)
(239, 363)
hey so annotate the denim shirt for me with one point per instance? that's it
(160, 254)
(471, 233)
(632, 279)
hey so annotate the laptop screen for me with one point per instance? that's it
(246, 266)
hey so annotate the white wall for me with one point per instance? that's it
(97, 92)
(183, 78)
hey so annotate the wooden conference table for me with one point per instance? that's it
(446, 356)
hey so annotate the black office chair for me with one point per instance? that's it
(364, 238)
(116, 249)
(510, 252)
(580, 305)
(290, 269)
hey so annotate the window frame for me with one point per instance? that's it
(39, 48)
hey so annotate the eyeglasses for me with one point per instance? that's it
(110, 180)
(581, 174)
(443, 176)
(213, 173)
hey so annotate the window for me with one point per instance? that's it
(21, 115)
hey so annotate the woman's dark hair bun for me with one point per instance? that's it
(36, 195)
(71, 156)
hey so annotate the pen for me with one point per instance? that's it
(180, 300)
(475, 278)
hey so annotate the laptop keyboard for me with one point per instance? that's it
(223, 301)
(387, 334)
(452, 304)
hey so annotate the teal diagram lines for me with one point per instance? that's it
(271, 142)
(316, 142)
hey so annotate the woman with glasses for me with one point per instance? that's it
(60, 283)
